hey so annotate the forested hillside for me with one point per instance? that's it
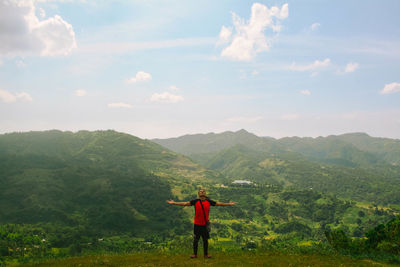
(211, 142)
(351, 149)
(107, 181)
(341, 165)
(386, 148)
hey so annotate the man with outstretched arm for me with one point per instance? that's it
(202, 208)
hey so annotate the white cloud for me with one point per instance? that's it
(24, 96)
(80, 92)
(42, 13)
(315, 26)
(351, 67)
(290, 116)
(305, 92)
(244, 74)
(317, 65)
(141, 76)
(23, 34)
(391, 88)
(249, 38)
(119, 105)
(225, 35)
(166, 97)
(8, 97)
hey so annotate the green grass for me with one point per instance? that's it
(219, 259)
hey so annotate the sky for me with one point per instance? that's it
(160, 69)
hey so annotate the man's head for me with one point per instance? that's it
(202, 193)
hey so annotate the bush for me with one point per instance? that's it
(294, 226)
(338, 239)
(385, 238)
(381, 243)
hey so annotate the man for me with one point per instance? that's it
(200, 219)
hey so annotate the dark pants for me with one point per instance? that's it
(200, 231)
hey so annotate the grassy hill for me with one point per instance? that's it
(105, 180)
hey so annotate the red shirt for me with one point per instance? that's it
(199, 214)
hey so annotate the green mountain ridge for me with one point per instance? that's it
(109, 180)
(348, 149)
(388, 149)
(211, 142)
(331, 150)
(335, 164)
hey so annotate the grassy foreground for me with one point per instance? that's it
(218, 259)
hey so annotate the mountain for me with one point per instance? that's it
(386, 148)
(202, 147)
(351, 150)
(105, 180)
(335, 164)
(331, 150)
(211, 142)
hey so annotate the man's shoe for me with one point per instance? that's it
(193, 256)
(207, 256)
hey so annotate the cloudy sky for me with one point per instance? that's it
(158, 69)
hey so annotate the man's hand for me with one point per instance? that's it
(178, 203)
(225, 204)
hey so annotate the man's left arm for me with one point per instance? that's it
(225, 204)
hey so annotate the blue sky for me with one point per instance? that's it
(159, 69)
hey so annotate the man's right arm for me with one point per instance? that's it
(178, 203)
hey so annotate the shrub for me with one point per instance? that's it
(338, 239)
(293, 226)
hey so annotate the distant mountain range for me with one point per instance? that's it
(350, 165)
(348, 149)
